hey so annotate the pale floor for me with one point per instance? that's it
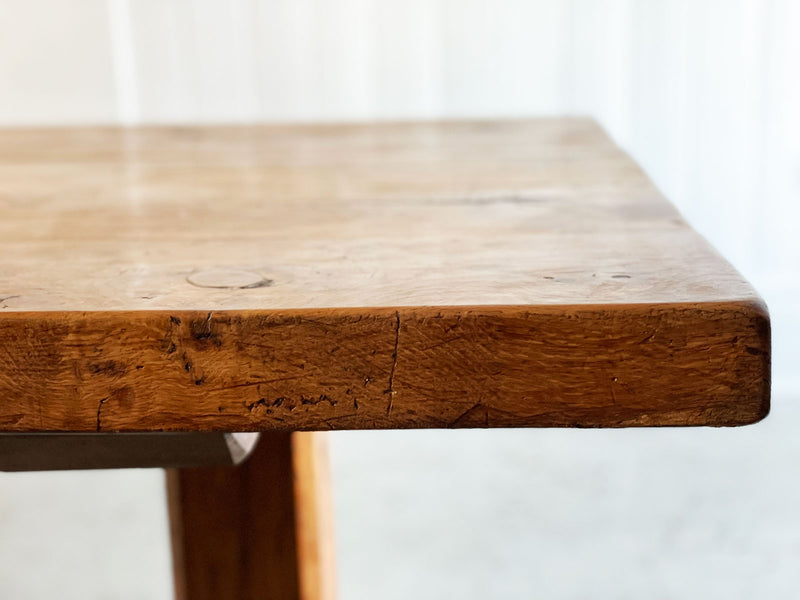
(557, 514)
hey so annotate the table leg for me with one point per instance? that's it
(257, 531)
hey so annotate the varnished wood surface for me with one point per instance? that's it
(506, 213)
(367, 276)
(244, 532)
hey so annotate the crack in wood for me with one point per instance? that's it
(390, 390)
(99, 409)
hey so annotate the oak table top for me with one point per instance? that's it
(288, 277)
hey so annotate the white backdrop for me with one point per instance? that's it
(703, 93)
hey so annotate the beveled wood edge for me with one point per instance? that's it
(753, 308)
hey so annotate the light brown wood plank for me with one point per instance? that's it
(466, 274)
(316, 547)
(242, 532)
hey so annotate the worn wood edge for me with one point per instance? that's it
(757, 312)
(751, 310)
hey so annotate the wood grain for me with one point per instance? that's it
(465, 274)
(243, 532)
(316, 544)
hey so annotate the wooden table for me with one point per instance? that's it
(308, 278)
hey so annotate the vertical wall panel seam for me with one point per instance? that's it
(123, 55)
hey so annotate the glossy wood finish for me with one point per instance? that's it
(246, 532)
(479, 274)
